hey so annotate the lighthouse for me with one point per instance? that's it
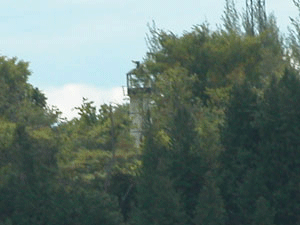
(139, 88)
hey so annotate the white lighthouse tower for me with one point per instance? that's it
(139, 90)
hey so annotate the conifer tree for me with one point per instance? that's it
(264, 215)
(187, 166)
(279, 149)
(210, 208)
(157, 202)
(240, 139)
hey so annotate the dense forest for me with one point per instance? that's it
(221, 142)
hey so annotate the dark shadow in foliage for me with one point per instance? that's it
(124, 187)
(264, 214)
(240, 138)
(279, 122)
(210, 209)
(187, 167)
(157, 201)
(260, 163)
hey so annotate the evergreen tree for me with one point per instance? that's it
(279, 129)
(240, 139)
(261, 154)
(264, 215)
(210, 208)
(187, 166)
(157, 201)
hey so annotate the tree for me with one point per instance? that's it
(279, 148)
(240, 138)
(258, 165)
(98, 154)
(294, 38)
(33, 189)
(231, 17)
(210, 209)
(264, 215)
(20, 101)
(255, 18)
(30, 175)
(157, 201)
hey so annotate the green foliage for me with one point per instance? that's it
(187, 165)
(255, 17)
(34, 188)
(261, 154)
(157, 200)
(86, 207)
(204, 81)
(210, 209)
(6, 141)
(240, 139)
(28, 175)
(294, 37)
(231, 17)
(159, 204)
(264, 215)
(19, 101)
(278, 122)
(98, 152)
(89, 147)
(221, 139)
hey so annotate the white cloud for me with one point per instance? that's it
(69, 96)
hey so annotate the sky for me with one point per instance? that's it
(84, 48)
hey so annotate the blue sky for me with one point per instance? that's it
(84, 48)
